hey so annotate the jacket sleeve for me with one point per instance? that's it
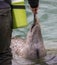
(33, 3)
(8, 1)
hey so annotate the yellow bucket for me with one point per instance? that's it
(19, 15)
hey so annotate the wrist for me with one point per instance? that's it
(34, 10)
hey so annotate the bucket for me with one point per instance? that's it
(19, 15)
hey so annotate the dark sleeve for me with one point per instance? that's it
(33, 3)
(8, 1)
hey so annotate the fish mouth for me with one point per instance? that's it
(32, 27)
(34, 23)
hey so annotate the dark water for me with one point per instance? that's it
(47, 15)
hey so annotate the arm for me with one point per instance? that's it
(8, 1)
(34, 4)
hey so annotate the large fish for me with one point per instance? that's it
(32, 47)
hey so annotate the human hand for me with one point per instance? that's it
(34, 10)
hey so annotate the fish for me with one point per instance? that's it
(32, 47)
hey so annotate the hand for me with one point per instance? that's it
(34, 10)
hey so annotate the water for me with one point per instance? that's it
(48, 18)
(47, 15)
